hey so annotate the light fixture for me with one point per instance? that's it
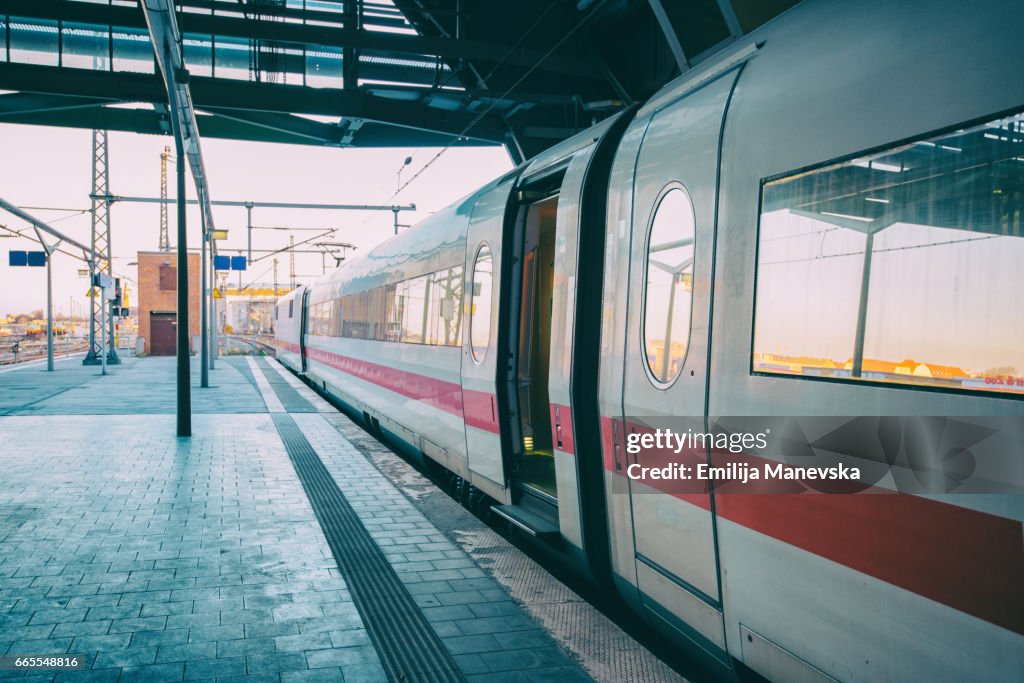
(863, 219)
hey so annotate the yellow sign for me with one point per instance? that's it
(219, 234)
(216, 293)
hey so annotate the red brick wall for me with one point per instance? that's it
(152, 298)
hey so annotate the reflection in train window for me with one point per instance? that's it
(905, 266)
(445, 312)
(480, 304)
(668, 296)
(423, 310)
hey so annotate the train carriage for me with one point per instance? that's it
(820, 223)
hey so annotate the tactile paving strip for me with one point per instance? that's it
(408, 648)
(605, 650)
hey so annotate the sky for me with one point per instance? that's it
(51, 167)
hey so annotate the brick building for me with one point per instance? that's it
(158, 300)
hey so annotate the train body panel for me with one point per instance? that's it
(664, 362)
(538, 344)
(288, 328)
(486, 264)
(807, 102)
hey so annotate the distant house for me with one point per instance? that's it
(909, 368)
(942, 371)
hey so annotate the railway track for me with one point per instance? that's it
(29, 350)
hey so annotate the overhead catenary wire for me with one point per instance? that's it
(479, 117)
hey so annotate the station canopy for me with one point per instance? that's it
(373, 73)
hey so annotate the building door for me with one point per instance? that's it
(163, 328)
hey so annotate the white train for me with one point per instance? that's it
(825, 220)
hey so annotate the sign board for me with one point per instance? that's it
(222, 263)
(27, 258)
(103, 280)
(216, 294)
(237, 263)
(219, 234)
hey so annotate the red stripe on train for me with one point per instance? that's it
(480, 410)
(968, 560)
(435, 392)
(562, 434)
(476, 408)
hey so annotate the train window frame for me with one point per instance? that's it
(656, 382)
(891, 146)
(479, 360)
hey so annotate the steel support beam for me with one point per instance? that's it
(669, 32)
(266, 105)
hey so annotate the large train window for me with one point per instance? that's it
(903, 266)
(668, 296)
(480, 304)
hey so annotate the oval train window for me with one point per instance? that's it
(668, 294)
(480, 304)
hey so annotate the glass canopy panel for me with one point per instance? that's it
(133, 51)
(199, 54)
(324, 68)
(34, 41)
(231, 58)
(85, 46)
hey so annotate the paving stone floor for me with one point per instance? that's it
(165, 559)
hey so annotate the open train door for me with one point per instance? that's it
(480, 342)
(665, 368)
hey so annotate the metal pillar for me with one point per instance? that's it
(49, 315)
(204, 358)
(862, 310)
(48, 250)
(248, 228)
(184, 407)
(103, 330)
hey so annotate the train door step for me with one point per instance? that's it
(527, 520)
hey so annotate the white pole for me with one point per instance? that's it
(49, 316)
(103, 326)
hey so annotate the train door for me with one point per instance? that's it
(531, 283)
(302, 325)
(480, 343)
(665, 370)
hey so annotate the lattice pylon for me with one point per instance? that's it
(100, 248)
(165, 239)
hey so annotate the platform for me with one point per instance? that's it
(280, 543)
